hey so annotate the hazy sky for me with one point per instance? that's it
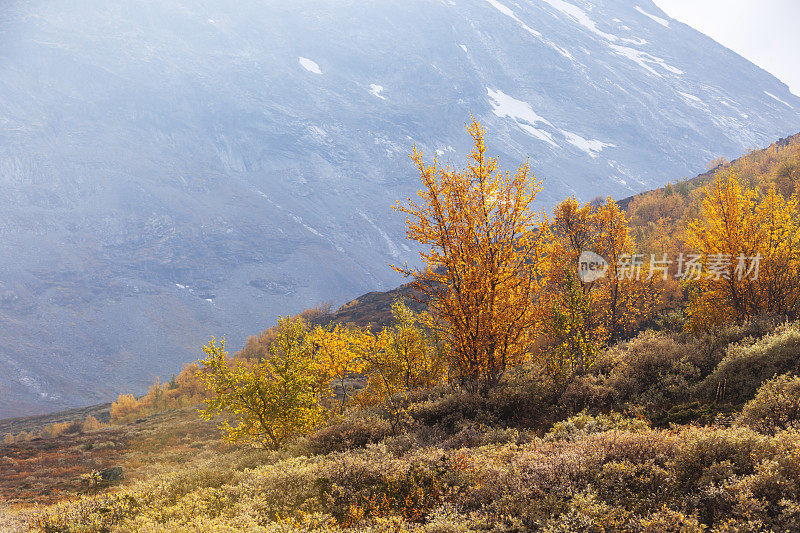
(764, 31)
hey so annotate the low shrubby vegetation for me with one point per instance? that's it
(776, 406)
(750, 363)
(600, 455)
(90, 423)
(518, 397)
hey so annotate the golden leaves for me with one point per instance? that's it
(736, 222)
(481, 246)
(271, 400)
(577, 319)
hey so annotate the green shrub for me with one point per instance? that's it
(749, 364)
(589, 391)
(653, 369)
(524, 398)
(583, 424)
(685, 413)
(673, 320)
(450, 412)
(776, 405)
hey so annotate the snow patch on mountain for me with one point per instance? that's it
(591, 146)
(778, 99)
(376, 90)
(690, 98)
(309, 65)
(735, 107)
(318, 132)
(507, 106)
(661, 21)
(505, 10)
(643, 58)
(523, 115)
(308, 228)
(561, 50)
(393, 250)
(526, 119)
(581, 17)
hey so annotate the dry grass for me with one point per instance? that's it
(45, 470)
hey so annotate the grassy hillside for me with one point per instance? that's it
(667, 430)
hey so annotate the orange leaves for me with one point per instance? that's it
(735, 223)
(403, 357)
(482, 245)
(577, 319)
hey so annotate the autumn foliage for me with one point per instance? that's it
(482, 246)
(503, 292)
(271, 400)
(754, 239)
(308, 376)
(577, 319)
(182, 390)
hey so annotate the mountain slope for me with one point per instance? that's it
(174, 169)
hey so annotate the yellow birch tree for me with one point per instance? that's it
(481, 245)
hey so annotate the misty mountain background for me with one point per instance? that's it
(175, 169)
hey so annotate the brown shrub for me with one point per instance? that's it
(349, 434)
(776, 405)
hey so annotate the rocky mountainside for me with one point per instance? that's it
(174, 169)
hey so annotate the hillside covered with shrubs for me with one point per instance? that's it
(504, 390)
(643, 442)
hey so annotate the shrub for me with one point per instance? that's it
(650, 480)
(76, 426)
(583, 424)
(91, 424)
(55, 429)
(475, 435)
(640, 487)
(749, 364)
(525, 398)
(126, 407)
(666, 520)
(588, 391)
(97, 513)
(685, 413)
(653, 368)
(776, 405)
(349, 434)
(269, 402)
(587, 513)
(449, 412)
(702, 450)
